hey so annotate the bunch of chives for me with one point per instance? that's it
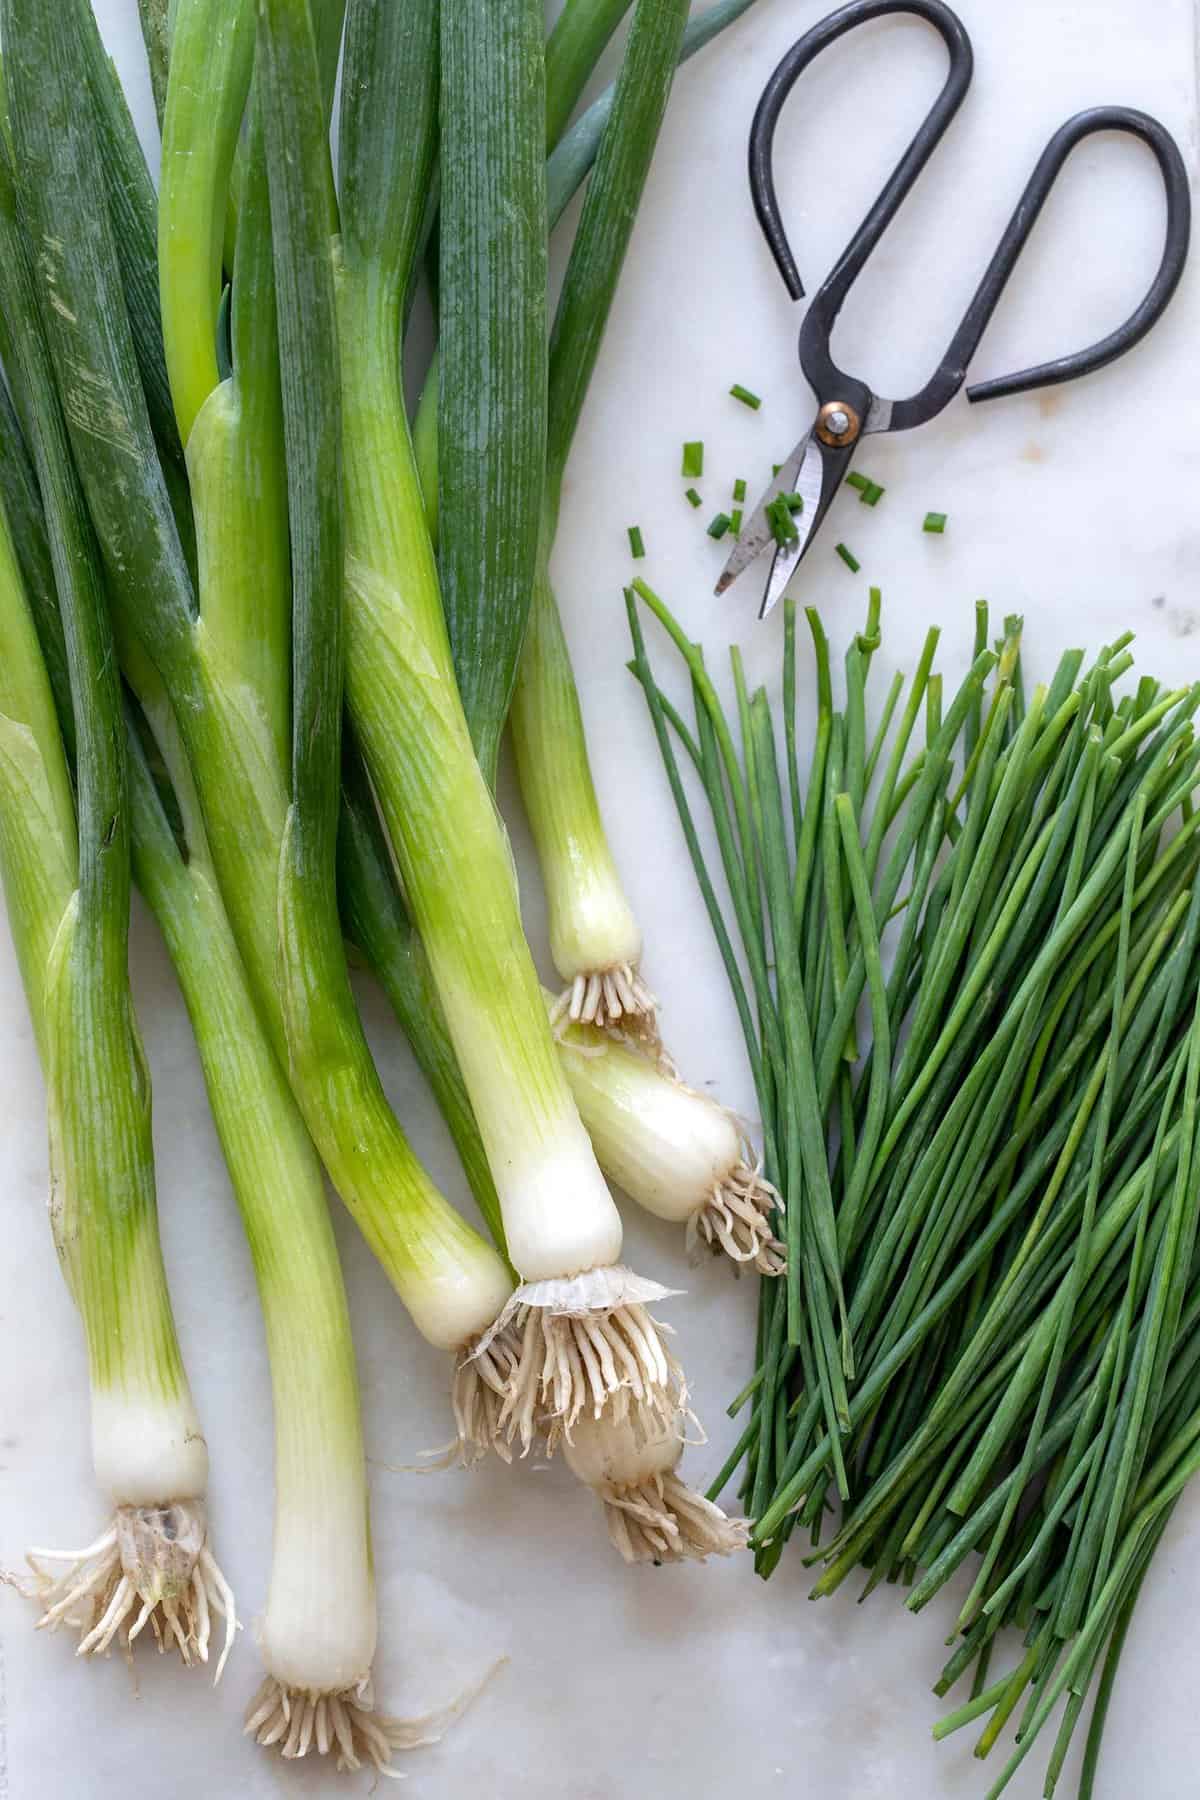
(1005, 1162)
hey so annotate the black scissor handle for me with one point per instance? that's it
(828, 301)
(949, 377)
(827, 380)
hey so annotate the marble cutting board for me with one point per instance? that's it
(1075, 508)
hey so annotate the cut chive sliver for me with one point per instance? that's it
(735, 520)
(872, 494)
(719, 525)
(692, 497)
(793, 502)
(848, 557)
(636, 546)
(693, 459)
(855, 480)
(934, 522)
(753, 401)
(739, 490)
(779, 518)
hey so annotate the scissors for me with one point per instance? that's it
(847, 409)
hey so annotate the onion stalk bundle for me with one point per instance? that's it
(1011, 1158)
(65, 864)
(215, 665)
(317, 1635)
(576, 1332)
(674, 1151)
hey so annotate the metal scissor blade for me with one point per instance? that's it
(810, 484)
(756, 532)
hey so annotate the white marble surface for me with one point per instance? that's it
(1076, 508)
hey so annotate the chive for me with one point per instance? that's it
(693, 459)
(739, 489)
(719, 524)
(935, 522)
(636, 545)
(735, 520)
(849, 558)
(793, 502)
(872, 494)
(855, 480)
(692, 497)
(745, 396)
(775, 468)
(779, 518)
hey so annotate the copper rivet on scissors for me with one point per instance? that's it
(838, 423)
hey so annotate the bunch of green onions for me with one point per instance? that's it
(223, 477)
(987, 1341)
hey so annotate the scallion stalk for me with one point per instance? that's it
(67, 883)
(492, 352)
(676, 1152)
(570, 162)
(594, 938)
(562, 1229)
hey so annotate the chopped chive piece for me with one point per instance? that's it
(735, 521)
(692, 497)
(739, 489)
(935, 522)
(745, 396)
(855, 480)
(693, 459)
(718, 526)
(871, 494)
(779, 518)
(775, 468)
(793, 502)
(848, 557)
(636, 546)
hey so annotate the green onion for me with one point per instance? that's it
(156, 36)
(636, 545)
(793, 502)
(735, 521)
(573, 49)
(934, 522)
(492, 366)
(453, 856)
(855, 480)
(67, 888)
(692, 497)
(693, 459)
(719, 524)
(849, 558)
(594, 937)
(745, 396)
(672, 1150)
(585, 26)
(739, 489)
